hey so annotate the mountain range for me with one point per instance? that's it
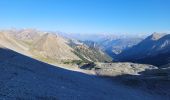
(48, 65)
(154, 49)
(50, 47)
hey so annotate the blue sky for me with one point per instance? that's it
(87, 16)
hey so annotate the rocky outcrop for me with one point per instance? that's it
(117, 69)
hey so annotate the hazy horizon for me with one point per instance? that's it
(78, 16)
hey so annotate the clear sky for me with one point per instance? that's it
(87, 16)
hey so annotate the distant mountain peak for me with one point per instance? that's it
(156, 36)
(155, 50)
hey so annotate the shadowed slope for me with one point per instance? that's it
(152, 50)
(22, 77)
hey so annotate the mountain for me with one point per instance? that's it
(110, 44)
(152, 50)
(95, 37)
(8, 41)
(49, 47)
(26, 35)
(113, 47)
(90, 52)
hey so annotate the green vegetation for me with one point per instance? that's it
(80, 56)
(92, 54)
(77, 62)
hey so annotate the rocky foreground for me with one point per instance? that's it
(24, 78)
(148, 78)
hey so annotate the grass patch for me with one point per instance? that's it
(81, 57)
(77, 62)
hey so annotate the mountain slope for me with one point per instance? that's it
(7, 41)
(113, 47)
(154, 46)
(22, 77)
(53, 47)
(90, 52)
(49, 47)
(26, 35)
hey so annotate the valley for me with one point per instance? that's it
(85, 50)
(43, 65)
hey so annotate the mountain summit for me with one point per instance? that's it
(151, 47)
